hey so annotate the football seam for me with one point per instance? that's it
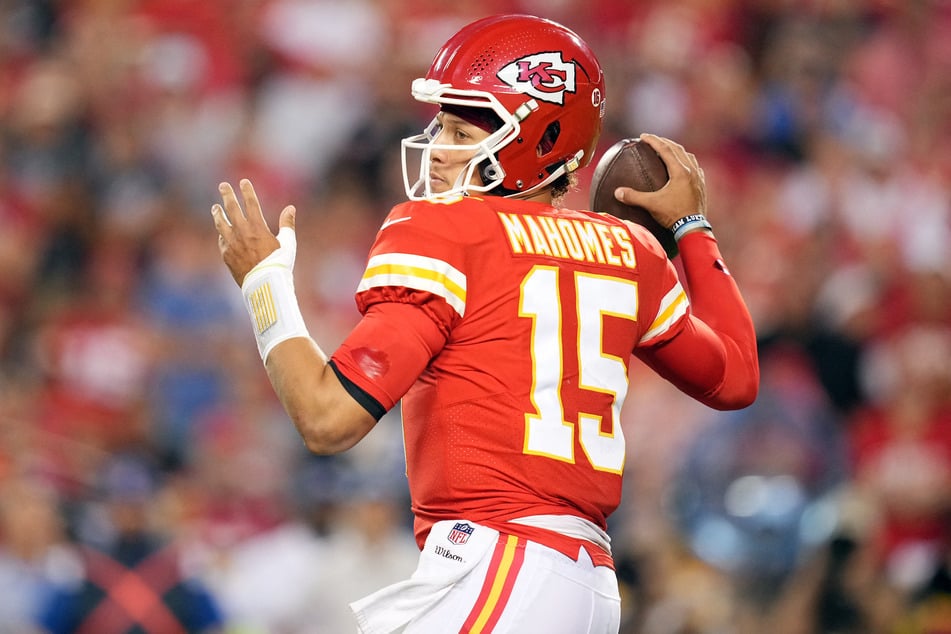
(645, 174)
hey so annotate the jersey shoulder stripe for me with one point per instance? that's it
(672, 307)
(417, 272)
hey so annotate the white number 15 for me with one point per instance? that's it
(547, 433)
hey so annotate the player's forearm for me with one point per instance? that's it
(326, 416)
(714, 295)
(706, 366)
(715, 358)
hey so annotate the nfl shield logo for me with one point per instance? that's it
(460, 533)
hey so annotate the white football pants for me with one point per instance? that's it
(475, 580)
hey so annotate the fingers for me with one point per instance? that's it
(630, 196)
(252, 205)
(234, 214)
(223, 227)
(231, 215)
(674, 153)
(230, 218)
(288, 217)
(684, 193)
(222, 224)
(671, 152)
(224, 217)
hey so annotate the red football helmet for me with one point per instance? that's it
(535, 76)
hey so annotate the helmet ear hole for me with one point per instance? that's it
(490, 172)
(549, 138)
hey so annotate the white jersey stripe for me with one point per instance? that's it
(417, 272)
(672, 307)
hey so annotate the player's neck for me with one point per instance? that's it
(542, 196)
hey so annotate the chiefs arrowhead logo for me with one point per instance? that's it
(545, 76)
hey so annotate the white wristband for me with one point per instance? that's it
(269, 296)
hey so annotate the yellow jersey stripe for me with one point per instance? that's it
(672, 307)
(417, 272)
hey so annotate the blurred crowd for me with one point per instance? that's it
(136, 421)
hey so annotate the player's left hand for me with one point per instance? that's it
(244, 239)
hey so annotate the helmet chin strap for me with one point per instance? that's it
(565, 168)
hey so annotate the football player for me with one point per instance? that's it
(505, 324)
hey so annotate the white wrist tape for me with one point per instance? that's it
(269, 296)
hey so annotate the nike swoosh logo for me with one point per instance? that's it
(389, 223)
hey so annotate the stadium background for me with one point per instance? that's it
(128, 370)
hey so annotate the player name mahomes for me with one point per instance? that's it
(569, 238)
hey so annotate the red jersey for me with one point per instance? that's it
(533, 313)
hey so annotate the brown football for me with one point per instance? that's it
(635, 164)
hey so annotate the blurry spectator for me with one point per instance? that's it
(231, 506)
(273, 580)
(19, 259)
(901, 452)
(341, 231)
(46, 152)
(370, 542)
(311, 105)
(132, 578)
(289, 560)
(930, 607)
(190, 310)
(755, 495)
(370, 158)
(240, 460)
(128, 184)
(33, 554)
(96, 354)
(348, 533)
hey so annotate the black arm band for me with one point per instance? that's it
(370, 404)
